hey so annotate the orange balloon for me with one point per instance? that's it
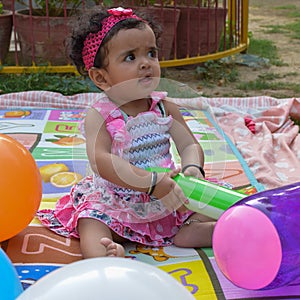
(20, 187)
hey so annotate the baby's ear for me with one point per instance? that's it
(98, 76)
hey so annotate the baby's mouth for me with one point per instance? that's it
(146, 79)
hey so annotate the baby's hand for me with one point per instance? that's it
(169, 192)
(193, 171)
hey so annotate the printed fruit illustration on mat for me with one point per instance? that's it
(17, 113)
(59, 175)
(66, 140)
(48, 170)
(65, 179)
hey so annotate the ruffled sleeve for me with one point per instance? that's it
(119, 135)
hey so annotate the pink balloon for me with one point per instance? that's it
(247, 247)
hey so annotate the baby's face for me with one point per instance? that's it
(133, 69)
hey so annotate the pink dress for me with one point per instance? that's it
(144, 141)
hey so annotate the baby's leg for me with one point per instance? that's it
(96, 239)
(196, 232)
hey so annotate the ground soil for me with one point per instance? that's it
(261, 14)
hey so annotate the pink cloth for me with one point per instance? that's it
(273, 152)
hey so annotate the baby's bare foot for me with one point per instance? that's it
(112, 248)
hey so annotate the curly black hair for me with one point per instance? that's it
(91, 22)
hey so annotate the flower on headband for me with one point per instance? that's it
(120, 11)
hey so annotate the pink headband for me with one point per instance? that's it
(93, 40)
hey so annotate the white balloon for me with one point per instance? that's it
(107, 278)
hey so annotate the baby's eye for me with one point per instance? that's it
(130, 57)
(153, 53)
